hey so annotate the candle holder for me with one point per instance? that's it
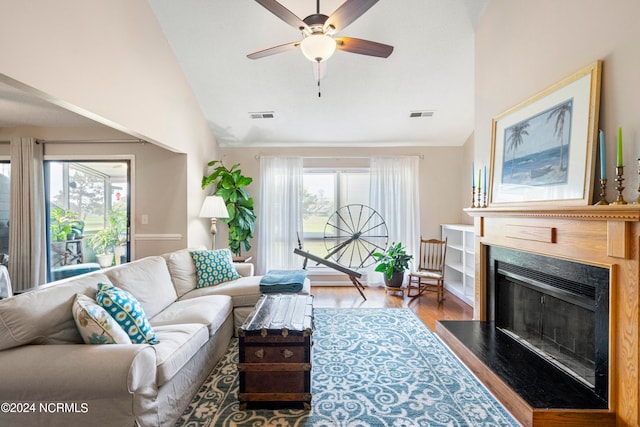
(603, 192)
(479, 201)
(473, 197)
(484, 199)
(619, 173)
(638, 199)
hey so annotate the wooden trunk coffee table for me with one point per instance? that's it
(275, 352)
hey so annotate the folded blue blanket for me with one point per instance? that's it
(276, 281)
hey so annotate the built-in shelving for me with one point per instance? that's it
(459, 270)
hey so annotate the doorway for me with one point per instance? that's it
(88, 211)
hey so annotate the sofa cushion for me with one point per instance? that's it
(148, 280)
(44, 316)
(243, 291)
(178, 344)
(209, 310)
(182, 269)
(127, 311)
(96, 325)
(214, 267)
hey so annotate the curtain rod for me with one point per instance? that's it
(88, 141)
(421, 156)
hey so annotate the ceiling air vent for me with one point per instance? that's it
(262, 115)
(416, 114)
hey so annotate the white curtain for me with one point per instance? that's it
(27, 232)
(395, 194)
(280, 216)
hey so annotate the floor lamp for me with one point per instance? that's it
(214, 207)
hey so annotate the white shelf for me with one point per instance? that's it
(459, 277)
(455, 247)
(457, 288)
(457, 266)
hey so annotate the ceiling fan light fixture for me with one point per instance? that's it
(318, 47)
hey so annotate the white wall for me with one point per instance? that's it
(110, 61)
(526, 46)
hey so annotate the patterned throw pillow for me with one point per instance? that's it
(127, 311)
(214, 267)
(95, 325)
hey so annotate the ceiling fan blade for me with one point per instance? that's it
(283, 13)
(348, 12)
(273, 50)
(363, 47)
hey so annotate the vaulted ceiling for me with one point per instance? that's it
(366, 101)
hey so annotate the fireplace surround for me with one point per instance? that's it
(603, 237)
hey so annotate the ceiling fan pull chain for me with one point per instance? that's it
(319, 94)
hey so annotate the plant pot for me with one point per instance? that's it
(396, 280)
(105, 260)
(119, 251)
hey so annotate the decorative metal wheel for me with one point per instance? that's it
(352, 234)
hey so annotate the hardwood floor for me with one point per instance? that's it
(426, 307)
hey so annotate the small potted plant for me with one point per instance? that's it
(103, 244)
(109, 241)
(393, 262)
(65, 225)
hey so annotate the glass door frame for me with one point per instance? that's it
(131, 191)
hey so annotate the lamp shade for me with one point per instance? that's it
(214, 207)
(318, 47)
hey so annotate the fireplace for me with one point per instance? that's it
(556, 308)
(599, 241)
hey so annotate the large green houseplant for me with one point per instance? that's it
(230, 185)
(393, 262)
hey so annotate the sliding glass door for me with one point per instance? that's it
(88, 211)
(5, 180)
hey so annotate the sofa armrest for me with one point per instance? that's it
(244, 269)
(77, 372)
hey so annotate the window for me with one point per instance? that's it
(88, 211)
(324, 192)
(5, 175)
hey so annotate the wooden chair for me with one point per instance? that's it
(429, 275)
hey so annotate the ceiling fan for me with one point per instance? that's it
(317, 31)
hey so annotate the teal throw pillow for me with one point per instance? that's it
(127, 312)
(214, 267)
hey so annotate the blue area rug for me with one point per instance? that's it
(371, 367)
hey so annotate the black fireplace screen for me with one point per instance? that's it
(554, 325)
(557, 308)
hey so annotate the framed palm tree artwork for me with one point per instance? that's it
(543, 149)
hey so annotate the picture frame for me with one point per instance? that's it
(543, 149)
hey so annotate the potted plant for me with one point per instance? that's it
(65, 224)
(102, 242)
(229, 184)
(393, 262)
(106, 242)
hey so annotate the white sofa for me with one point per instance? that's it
(50, 377)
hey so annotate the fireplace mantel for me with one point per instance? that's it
(629, 212)
(604, 236)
